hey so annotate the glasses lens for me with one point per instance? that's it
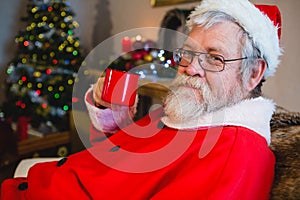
(211, 62)
(176, 56)
(182, 57)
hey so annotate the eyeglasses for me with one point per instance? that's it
(207, 61)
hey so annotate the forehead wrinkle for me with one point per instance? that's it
(190, 45)
(219, 45)
(224, 44)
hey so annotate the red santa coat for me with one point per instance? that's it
(220, 162)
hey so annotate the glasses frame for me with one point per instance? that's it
(195, 53)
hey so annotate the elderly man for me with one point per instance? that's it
(210, 141)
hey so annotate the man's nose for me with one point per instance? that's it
(193, 69)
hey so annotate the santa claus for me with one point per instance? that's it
(209, 141)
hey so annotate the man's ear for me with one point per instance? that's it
(257, 74)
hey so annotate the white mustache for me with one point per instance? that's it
(184, 80)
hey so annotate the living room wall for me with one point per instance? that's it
(100, 19)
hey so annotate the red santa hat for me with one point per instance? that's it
(274, 14)
(261, 22)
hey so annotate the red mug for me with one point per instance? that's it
(120, 87)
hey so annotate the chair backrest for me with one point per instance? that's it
(285, 144)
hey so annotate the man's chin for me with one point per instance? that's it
(183, 104)
(186, 92)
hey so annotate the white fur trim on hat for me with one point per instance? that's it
(259, 26)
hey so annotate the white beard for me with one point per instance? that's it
(191, 98)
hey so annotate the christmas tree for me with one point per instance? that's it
(42, 73)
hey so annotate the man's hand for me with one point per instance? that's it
(97, 93)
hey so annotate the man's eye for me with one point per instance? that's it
(186, 54)
(216, 59)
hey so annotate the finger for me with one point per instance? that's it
(97, 93)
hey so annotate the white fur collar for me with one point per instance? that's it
(254, 114)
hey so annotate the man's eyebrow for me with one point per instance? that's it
(213, 49)
(189, 46)
(216, 50)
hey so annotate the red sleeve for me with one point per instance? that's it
(14, 189)
(49, 180)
